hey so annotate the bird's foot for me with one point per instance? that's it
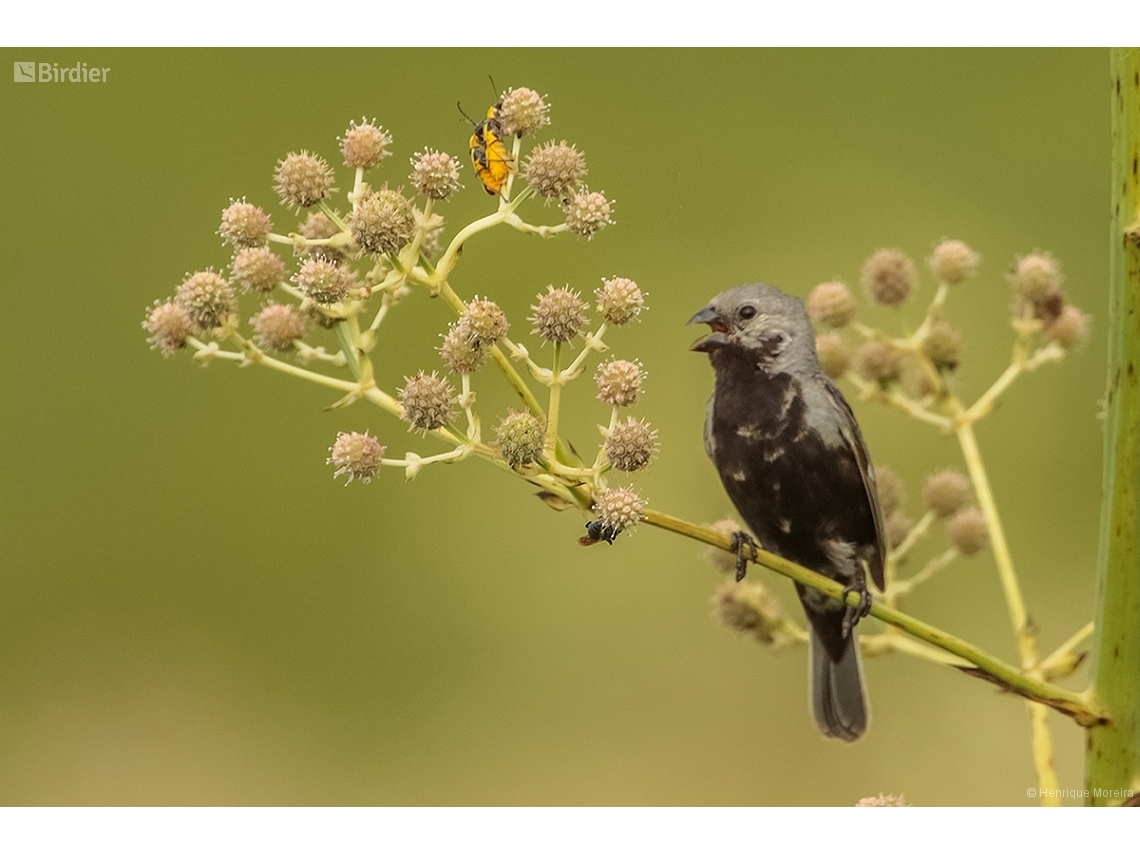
(854, 614)
(739, 540)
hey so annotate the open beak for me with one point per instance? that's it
(716, 338)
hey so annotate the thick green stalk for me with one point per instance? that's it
(1112, 760)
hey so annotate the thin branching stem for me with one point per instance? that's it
(874, 392)
(932, 567)
(1070, 646)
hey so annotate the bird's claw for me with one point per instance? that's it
(739, 540)
(854, 614)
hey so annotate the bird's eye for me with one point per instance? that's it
(747, 313)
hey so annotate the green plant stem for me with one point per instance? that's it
(893, 589)
(893, 641)
(332, 215)
(593, 342)
(1073, 704)
(553, 410)
(1112, 759)
(1040, 737)
(347, 347)
(1006, 574)
(257, 357)
(1068, 650)
(513, 377)
(1021, 363)
(450, 255)
(874, 392)
(933, 567)
(516, 147)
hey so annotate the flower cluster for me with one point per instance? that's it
(917, 366)
(324, 284)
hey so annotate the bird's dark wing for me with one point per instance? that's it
(853, 437)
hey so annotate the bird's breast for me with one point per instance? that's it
(793, 487)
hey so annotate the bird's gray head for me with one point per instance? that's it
(762, 320)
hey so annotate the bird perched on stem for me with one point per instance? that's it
(793, 461)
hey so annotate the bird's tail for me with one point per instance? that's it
(838, 698)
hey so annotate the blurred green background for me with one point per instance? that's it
(192, 611)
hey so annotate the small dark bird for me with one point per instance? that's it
(794, 463)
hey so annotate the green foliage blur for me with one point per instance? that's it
(192, 611)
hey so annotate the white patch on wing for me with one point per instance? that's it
(785, 526)
(840, 555)
(773, 454)
(739, 475)
(789, 398)
(846, 437)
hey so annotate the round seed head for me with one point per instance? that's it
(555, 169)
(257, 268)
(302, 180)
(834, 355)
(435, 174)
(897, 526)
(461, 353)
(244, 224)
(831, 304)
(484, 322)
(317, 226)
(1047, 309)
(364, 145)
(946, 492)
(587, 213)
(750, 608)
(892, 491)
(382, 222)
(889, 276)
(878, 361)
(1035, 277)
(520, 437)
(915, 380)
(619, 300)
(356, 455)
(428, 401)
(208, 298)
(1069, 329)
(943, 346)
(630, 444)
(953, 261)
(523, 111)
(559, 314)
(619, 508)
(881, 800)
(323, 281)
(169, 325)
(619, 382)
(967, 530)
(277, 327)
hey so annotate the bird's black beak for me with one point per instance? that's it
(716, 338)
